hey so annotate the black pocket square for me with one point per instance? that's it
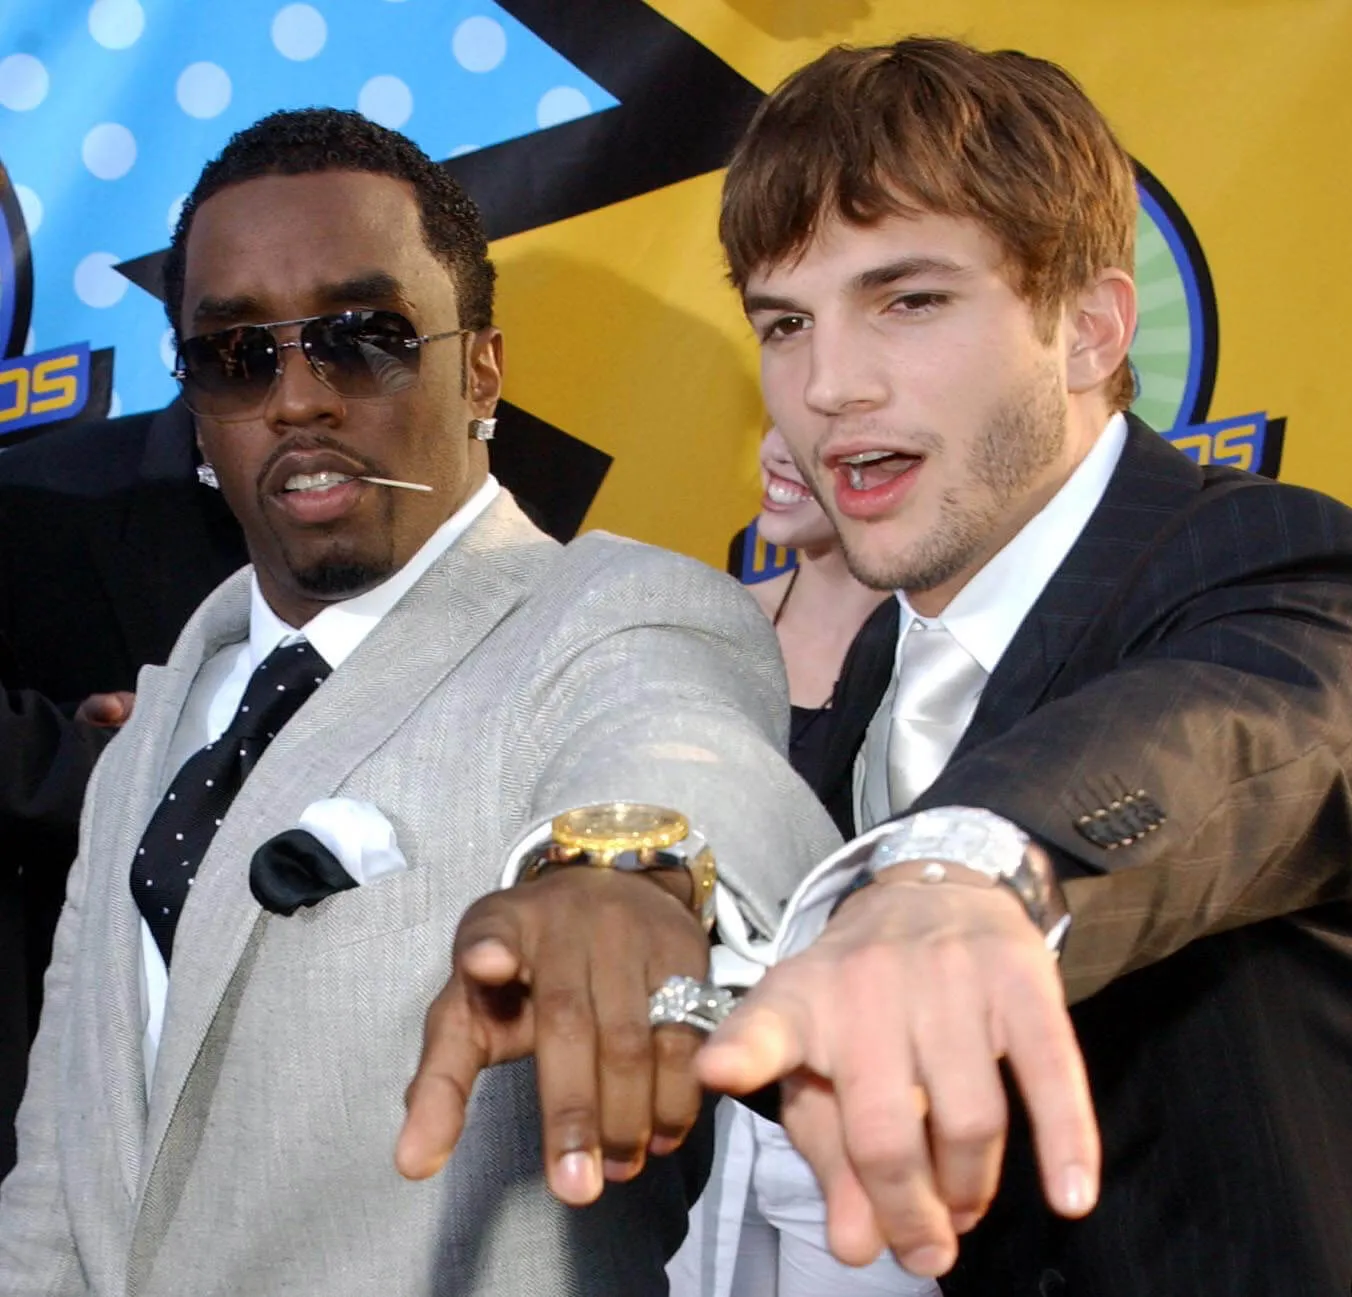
(295, 869)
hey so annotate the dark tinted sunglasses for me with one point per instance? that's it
(362, 354)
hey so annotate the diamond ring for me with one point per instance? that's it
(690, 1002)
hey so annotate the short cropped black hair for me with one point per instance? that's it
(303, 141)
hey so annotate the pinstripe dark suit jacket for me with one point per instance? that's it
(1195, 645)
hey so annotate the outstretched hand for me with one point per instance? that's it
(562, 968)
(888, 1032)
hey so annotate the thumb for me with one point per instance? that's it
(489, 945)
(463, 1034)
(106, 708)
(438, 1096)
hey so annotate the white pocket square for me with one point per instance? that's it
(359, 836)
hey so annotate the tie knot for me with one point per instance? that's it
(277, 690)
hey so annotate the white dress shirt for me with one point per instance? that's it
(759, 1179)
(216, 693)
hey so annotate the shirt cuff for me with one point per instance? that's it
(525, 844)
(817, 896)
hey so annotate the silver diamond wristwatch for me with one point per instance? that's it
(984, 842)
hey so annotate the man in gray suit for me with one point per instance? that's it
(417, 677)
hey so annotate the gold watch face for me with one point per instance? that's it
(606, 830)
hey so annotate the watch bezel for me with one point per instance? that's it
(581, 837)
(608, 829)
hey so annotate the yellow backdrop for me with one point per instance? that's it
(620, 328)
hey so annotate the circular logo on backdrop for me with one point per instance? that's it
(1177, 344)
(16, 271)
(47, 387)
(1174, 353)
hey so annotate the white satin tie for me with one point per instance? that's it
(935, 692)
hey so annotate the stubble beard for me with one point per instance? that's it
(1024, 436)
(343, 572)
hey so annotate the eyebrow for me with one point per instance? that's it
(226, 310)
(371, 288)
(893, 272)
(906, 268)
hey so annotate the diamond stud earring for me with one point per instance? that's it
(207, 476)
(482, 429)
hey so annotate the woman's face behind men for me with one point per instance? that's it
(790, 514)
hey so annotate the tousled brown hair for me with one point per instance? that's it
(930, 125)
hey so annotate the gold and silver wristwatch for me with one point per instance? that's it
(632, 837)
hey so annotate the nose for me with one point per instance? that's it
(844, 375)
(299, 398)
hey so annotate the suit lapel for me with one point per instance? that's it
(129, 792)
(1151, 482)
(457, 603)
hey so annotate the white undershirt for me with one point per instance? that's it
(216, 693)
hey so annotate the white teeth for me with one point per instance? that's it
(856, 477)
(782, 493)
(867, 457)
(315, 481)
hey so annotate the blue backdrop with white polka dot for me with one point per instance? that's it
(109, 109)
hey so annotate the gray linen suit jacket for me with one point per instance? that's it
(516, 678)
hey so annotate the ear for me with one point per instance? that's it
(483, 372)
(1101, 323)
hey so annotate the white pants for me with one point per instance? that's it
(759, 1230)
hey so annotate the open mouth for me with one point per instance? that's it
(311, 493)
(323, 481)
(874, 468)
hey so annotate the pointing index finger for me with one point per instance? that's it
(764, 1039)
(437, 1097)
(1046, 1061)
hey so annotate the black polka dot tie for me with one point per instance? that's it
(185, 821)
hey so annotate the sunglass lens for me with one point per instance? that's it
(363, 353)
(228, 374)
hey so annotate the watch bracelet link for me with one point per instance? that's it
(986, 843)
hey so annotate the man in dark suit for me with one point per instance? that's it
(1114, 693)
(45, 760)
(935, 245)
(107, 544)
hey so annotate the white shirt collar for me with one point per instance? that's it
(340, 628)
(985, 614)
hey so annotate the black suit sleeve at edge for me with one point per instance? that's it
(1230, 705)
(45, 762)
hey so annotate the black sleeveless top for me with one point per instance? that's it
(808, 728)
